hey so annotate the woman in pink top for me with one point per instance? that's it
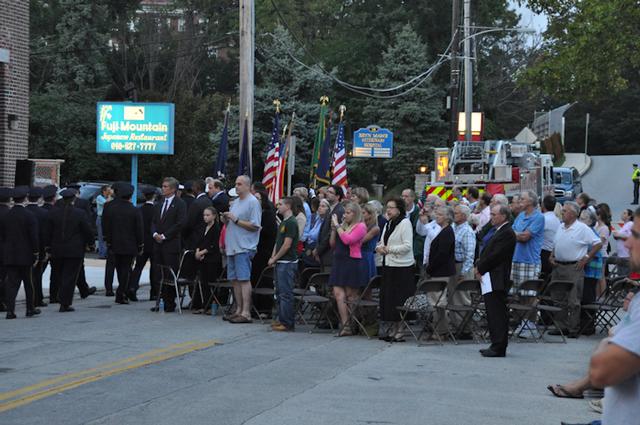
(349, 269)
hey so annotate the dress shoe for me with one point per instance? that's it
(92, 290)
(109, 294)
(11, 315)
(132, 296)
(33, 312)
(490, 353)
(122, 301)
(66, 309)
(41, 304)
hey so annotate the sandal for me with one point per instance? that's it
(561, 392)
(240, 319)
(345, 331)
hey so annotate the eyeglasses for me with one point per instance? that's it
(389, 207)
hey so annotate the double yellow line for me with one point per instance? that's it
(12, 399)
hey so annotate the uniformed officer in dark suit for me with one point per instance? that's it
(35, 193)
(69, 235)
(168, 218)
(146, 210)
(123, 232)
(85, 206)
(5, 199)
(49, 196)
(19, 232)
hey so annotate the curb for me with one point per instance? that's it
(588, 167)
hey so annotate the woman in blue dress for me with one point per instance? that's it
(370, 218)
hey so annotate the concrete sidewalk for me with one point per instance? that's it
(259, 377)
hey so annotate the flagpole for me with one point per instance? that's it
(291, 151)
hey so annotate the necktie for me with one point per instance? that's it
(165, 207)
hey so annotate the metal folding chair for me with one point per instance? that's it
(465, 312)
(311, 299)
(220, 283)
(168, 277)
(604, 311)
(265, 287)
(523, 305)
(554, 300)
(424, 287)
(355, 307)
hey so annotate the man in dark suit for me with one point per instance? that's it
(323, 251)
(5, 199)
(19, 232)
(123, 232)
(69, 235)
(168, 218)
(495, 259)
(219, 198)
(35, 193)
(188, 195)
(146, 210)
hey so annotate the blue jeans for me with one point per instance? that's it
(102, 246)
(285, 274)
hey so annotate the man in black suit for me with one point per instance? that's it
(168, 219)
(219, 198)
(19, 231)
(5, 199)
(123, 232)
(69, 235)
(146, 210)
(35, 193)
(323, 251)
(495, 259)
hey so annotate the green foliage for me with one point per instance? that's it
(414, 118)
(591, 49)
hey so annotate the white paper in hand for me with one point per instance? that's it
(485, 284)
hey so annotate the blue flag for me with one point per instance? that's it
(219, 169)
(243, 165)
(323, 170)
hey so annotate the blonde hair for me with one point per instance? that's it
(372, 212)
(362, 194)
(357, 215)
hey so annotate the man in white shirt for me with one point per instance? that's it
(551, 225)
(426, 226)
(570, 254)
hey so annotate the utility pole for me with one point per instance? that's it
(247, 61)
(455, 72)
(468, 73)
(586, 134)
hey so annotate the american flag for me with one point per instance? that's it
(339, 165)
(271, 176)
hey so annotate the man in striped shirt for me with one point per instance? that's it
(465, 249)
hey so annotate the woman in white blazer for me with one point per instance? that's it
(398, 271)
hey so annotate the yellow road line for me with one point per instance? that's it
(48, 382)
(100, 373)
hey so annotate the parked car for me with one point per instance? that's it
(567, 183)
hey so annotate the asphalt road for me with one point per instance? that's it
(113, 364)
(609, 180)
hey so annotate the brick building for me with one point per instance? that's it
(14, 86)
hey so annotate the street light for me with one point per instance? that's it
(423, 169)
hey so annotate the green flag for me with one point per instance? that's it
(320, 136)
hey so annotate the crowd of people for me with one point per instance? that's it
(208, 234)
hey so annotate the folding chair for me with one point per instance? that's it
(465, 312)
(524, 305)
(303, 280)
(188, 281)
(265, 287)
(318, 304)
(354, 307)
(604, 311)
(220, 283)
(424, 288)
(554, 300)
(170, 278)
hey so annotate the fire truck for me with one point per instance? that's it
(497, 166)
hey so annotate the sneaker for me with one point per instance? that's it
(596, 405)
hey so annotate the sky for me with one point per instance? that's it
(528, 18)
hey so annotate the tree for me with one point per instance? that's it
(414, 118)
(591, 48)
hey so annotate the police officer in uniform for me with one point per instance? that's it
(635, 178)
(19, 232)
(69, 235)
(123, 232)
(49, 196)
(35, 193)
(5, 199)
(146, 210)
